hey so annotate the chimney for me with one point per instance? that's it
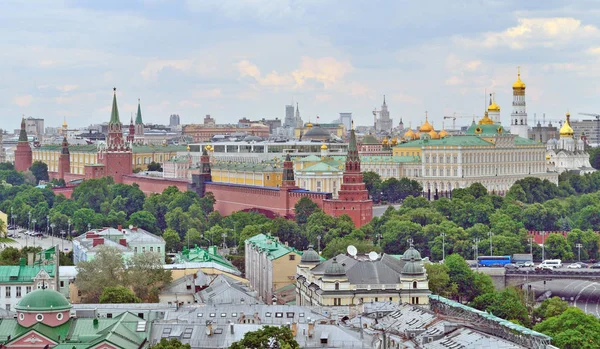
(311, 329)
(97, 241)
(123, 242)
(91, 235)
(294, 329)
(231, 330)
(134, 228)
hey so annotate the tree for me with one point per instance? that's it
(267, 337)
(303, 209)
(573, 329)
(372, 182)
(118, 294)
(40, 171)
(172, 239)
(146, 275)
(155, 166)
(144, 220)
(550, 307)
(10, 256)
(439, 280)
(173, 343)
(107, 269)
(556, 247)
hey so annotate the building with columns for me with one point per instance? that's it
(518, 118)
(568, 152)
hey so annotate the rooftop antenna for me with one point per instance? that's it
(352, 250)
(373, 256)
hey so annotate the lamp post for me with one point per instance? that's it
(53, 226)
(224, 236)
(531, 248)
(443, 235)
(319, 244)
(89, 226)
(579, 246)
(379, 236)
(543, 243)
(47, 223)
(29, 221)
(491, 246)
(34, 221)
(69, 227)
(476, 249)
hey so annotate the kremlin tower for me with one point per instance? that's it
(139, 125)
(518, 120)
(64, 160)
(23, 153)
(117, 157)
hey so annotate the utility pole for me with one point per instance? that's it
(491, 246)
(476, 249)
(319, 244)
(579, 246)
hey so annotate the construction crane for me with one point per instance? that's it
(454, 117)
(597, 116)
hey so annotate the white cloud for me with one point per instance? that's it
(23, 100)
(67, 88)
(326, 70)
(188, 103)
(210, 93)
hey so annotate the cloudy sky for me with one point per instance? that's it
(248, 58)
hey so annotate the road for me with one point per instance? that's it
(44, 242)
(378, 211)
(580, 293)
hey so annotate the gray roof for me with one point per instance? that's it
(310, 256)
(385, 270)
(226, 290)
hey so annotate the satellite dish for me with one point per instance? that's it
(352, 250)
(373, 255)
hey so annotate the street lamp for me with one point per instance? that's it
(29, 221)
(34, 221)
(47, 223)
(53, 226)
(443, 235)
(379, 236)
(531, 248)
(491, 246)
(319, 244)
(543, 245)
(579, 246)
(224, 235)
(89, 226)
(69, 227)
(476, 249)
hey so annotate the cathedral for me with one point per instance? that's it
(568, 153)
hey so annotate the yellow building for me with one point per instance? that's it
(270, 265)
(82, 155)
(3, 223)
(264, 174)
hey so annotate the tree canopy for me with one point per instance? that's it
(267, 337)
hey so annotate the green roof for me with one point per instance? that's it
(158, 148)
(23, 132)
(43, 300)
(485, 129)
(525, 141)
(271, 247)
(448, 141)
(320, 167)
(23, 273)
(198, 255)
(389, 159)
(11, 328)
(88, 148)
(114, 114)
(138, 118)
(370, 139)
(269, 166)
(310, 158)
(119, 331)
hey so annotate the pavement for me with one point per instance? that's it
(44, 242)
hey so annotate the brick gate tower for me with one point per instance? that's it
(117, 156)
(64, 160)
(353, 197)
(23, 153)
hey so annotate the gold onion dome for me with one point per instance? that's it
(519, 84)
(433, 134)
(426, 127)
(486, 120)
(443, 134)
(323, 146)
(566, 129)
(309, 125)
(494, 107)
(385, 141)
(395, 141)
(418, 135)
(547, 156)
(409, 134)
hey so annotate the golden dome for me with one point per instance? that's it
(486, 120)
(519, 84)
(409, 134)
(188, 148)
(309, 125)
(547, 156)
(385, 141)
(395, 141)
(208, 148)
(323, 146)
(494, 107)
(426, 127)
(566, 129)
(443, 134)
(433, 134)
(418, 135)
(64, 125)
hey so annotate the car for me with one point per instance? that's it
(527, 264)
(511, 266)
(574, 266)
(542, 267)
(595, 266)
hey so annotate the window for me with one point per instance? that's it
(233, 314)
(337, 285)
(158, 249)
(200, 314)
(292, 257)
(151, 249)
(414, 284)
(318, 185)
(144, 249)
(223, 315)
(289, 315)
(62, 283)
(18, 291)
(109, 316)
(337, 301)
(213, 314)
(59, 316)
(7, 291)
(21, 316)
(135, 250)
(267, 314)
(8, 308)
(376, 299)
(390, 299)
(278, 315)
(39, 317)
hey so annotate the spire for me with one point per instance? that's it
(384, 100)
(352, 150)
(490, 99)
(297, 110)
(65, 146)
(114, 115)
(138, 118)
(23, 133)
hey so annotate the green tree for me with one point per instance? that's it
(172, 240)
(340, 245)
(303, 209)
(82, 217)
(372, 182)
(107, 269)
(145, 275)
(573, 329)
(118, 294)
(266, 337)
(155, 166)
(10, 256)
(550, 307)
(556, 247)
(172, 343)
(40, 171)
(144, 220)
(439, 280)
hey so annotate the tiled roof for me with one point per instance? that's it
(270, 246)
(24, 273)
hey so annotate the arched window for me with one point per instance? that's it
(414, 284)
(337, 285)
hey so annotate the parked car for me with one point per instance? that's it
(527, 264)
(574, 266)
(543, 267)
(511, 266)
(595, 266)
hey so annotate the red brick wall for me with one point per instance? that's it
(23, 156)
(151, 185)
(361, 212)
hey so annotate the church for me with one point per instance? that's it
(568, 152)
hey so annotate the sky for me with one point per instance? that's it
(249, 58)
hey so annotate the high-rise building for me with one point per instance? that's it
(346, 120)
(518, 120)
(384, 123)
(34, 126)
(297, 118)
(289, 120)
(2, 152)
(174, 120)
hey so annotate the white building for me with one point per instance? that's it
(568, 153)
(518, 120)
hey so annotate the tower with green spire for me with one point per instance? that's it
(139, 125)
(23, 153)
(117, 157)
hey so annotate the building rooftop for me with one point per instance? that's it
(226, 290)
(271, 246)
(206, 257)
(23, 273)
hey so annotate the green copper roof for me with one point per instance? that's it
(525, 141)
(138, 118)
(389, 159)
(22, 273)
(87, 148)
(492, 129)
(199, 255)
(119, 331)
(114, 114)
(43, 300)
(320, 167)
(352, 144)
(449, 141)
(310, 158)
(271, 247)
(23, 133)
(158, 148)
(370, 139)
(10, 328)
